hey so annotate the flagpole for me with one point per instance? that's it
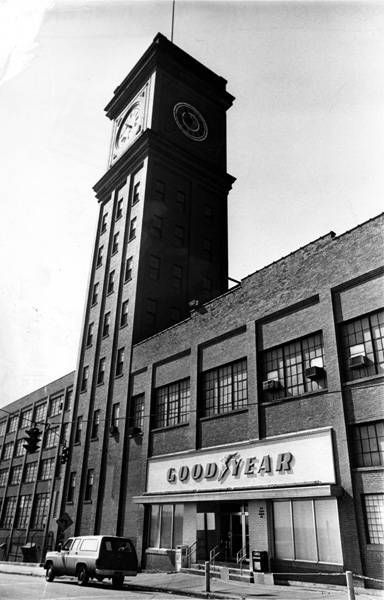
(173, 18)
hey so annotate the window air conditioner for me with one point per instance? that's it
(314, 373)
(270, 385)
(357, 361)
(134, 432)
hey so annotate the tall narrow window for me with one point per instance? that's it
(115, 244)
(55, 405)
(7, 451)
(95, 293)
(157, 226)
(137, 411)
(124, 313)
(119, 209)
(111, 282)
(104, 223)
(51, 437)
(79, 427)
(40, 413)
(99, 260)
(84, 379)
(136, 192)
(132, 228)
(89, 485)
(71, 487)
(90, 334)
(16, 474)
(120, 361)
(9, 512)
(101, 371)
(12, 423)
(128, 269)
(40, 512)
(374, 516)
(95, 423)
(23, 511)
(3, 476)
(68, 399)
(154, 267)
(115, 415)
(30, 472)
(3, 425)
(47, 466)
(106, 324)
(19, 448)
(26, 418)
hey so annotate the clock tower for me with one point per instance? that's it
(161, 243)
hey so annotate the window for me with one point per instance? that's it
(177, 277)
(65, 434)
(374, 517)
(132, 228)
(124, 313)
(3, 425)
(115, 243)
(3, 476)
(16, 475)
(128, 269)
(71, 487)
(30, 472)
(68, 399)
(79, 427)
(40, 413)
(154, 267)
(137, 411)
(368, 444)
(119, 209)
(26, 418)
(51, 437)
(95, 424)
(19, 449)
(166, 525)
(104, 223)
(180, 201)
(159, 191)
(90, 334)
(106, 324)
(84, 380)
(95, 294)
(47, 466)
(120, 361)
(225, 388)
(172, 404)
(179, 236)
(307, 530)
(115, 415)
(111, 282)
(363, 337)
(157, 226)
(55, 406)
(207, 249)
(99, 260)
(286, 365)
(136, 193)
(89, 485)
(12, 423)
(151, 310)
(40, 512)
(101, 371)
(7, 451)
(9, 512)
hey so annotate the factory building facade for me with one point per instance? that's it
(222, 420)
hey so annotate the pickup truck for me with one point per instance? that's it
(97, 556)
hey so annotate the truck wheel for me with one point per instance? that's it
(49, 573)
(82, 575)
(117, 581)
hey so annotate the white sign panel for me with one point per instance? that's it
(299, 459)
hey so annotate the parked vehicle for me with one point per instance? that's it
(93, 556)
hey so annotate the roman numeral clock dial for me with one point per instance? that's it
(130, 126)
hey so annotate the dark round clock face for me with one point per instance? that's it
(190, 121)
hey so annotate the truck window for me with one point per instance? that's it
(90, 545)
(67, 544)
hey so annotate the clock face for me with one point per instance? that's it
(190, 121)
(130, 126)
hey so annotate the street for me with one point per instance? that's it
(20, 587)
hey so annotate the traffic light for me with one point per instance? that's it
(64, 455)
(32, 440)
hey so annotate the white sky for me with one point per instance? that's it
(305, 141)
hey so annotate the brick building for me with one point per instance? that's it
(220, 420)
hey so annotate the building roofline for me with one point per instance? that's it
(43, 387)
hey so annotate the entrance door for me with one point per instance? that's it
(238, 533)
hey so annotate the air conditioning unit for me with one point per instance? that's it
(357, 361)
(314, 373)
(134, 432)
(271, 385)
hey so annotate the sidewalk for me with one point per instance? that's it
(194, 585)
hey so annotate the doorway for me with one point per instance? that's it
(224, 528)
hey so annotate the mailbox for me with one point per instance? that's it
(259, 561)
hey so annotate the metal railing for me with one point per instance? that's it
(190, 552)
(215, 551)
(241, 556)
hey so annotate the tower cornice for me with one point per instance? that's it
(160, 148)
(165, 55)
